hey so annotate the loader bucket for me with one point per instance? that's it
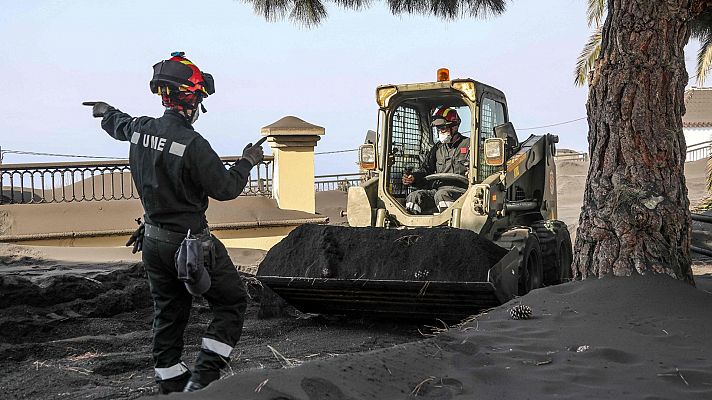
(443, 273)
(385, 298)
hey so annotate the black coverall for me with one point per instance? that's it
(451, 158)
(175, 171)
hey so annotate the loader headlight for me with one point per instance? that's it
(383, 94)
(466, 87)
(367, 156)
(494, 152)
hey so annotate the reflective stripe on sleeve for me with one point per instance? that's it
(135, 137)
(217, 347)
(171, 372)
(177, 149)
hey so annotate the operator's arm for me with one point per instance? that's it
(210, 173)
(119, 125)
(426, 168)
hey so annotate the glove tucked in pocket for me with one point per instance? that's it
(193, 258)
(136, 238)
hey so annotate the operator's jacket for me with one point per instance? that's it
(451, 158)
(175, 171)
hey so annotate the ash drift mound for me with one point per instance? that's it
(640, 337)
(424, 254)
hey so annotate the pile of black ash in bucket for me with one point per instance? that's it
(423, 254)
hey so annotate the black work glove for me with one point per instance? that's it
(136, 239)
(98, 108)
(253, 154)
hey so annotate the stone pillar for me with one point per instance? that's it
(292, 141)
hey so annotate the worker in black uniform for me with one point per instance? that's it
(175, 171)
(451, 154)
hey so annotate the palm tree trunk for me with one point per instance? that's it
(635, 217)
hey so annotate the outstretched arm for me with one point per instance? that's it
(118, 125)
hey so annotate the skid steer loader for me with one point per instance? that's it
(508, 197)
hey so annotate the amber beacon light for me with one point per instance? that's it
(443, 74)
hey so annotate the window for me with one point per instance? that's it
(409, 144)
(492, 115)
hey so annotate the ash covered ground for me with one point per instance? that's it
(84, 331)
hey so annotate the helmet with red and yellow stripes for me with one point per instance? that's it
(180, 83)
(446, 116)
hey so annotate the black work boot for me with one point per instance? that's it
(192, 386)
(201, 380)
(172, 385)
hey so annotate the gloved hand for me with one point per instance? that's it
(408, 177)
(253, 154)
(136, 238)
(98, 108)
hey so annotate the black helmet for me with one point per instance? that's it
(180, 74)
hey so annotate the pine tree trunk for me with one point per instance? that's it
(635, 217)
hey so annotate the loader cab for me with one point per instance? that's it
(407, 135)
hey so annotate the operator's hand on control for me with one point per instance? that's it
(98, 108)
(136, 239)
(253, 154)
(408, 179)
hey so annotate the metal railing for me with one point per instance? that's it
(340, 182)
(41, 183)
(111, 180)
(571, 157)
(698, 151)
(695, 152)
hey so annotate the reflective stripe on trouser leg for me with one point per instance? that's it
(421, 202)
(171, 302)
(171, 372)
(228, 300)
(444, 204)
(217, 347)
(413, 207)
(445, 197)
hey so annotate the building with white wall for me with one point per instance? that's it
(697, 121)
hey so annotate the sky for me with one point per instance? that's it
(56, 54)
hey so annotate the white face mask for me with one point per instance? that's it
(444, 137)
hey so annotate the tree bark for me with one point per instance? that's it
(635, 217)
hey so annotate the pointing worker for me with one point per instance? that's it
(175, 171)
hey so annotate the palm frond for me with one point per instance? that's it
(484, 8)
(701, 29)
(308, 12)
(586, 60)
(408, 7)
(704, 59)
(595, 11)
(312, 12)
(448, 9)
(445, 9)
(271, 10)
(353, 4)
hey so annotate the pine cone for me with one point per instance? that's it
(520, 312)
(422, 274)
